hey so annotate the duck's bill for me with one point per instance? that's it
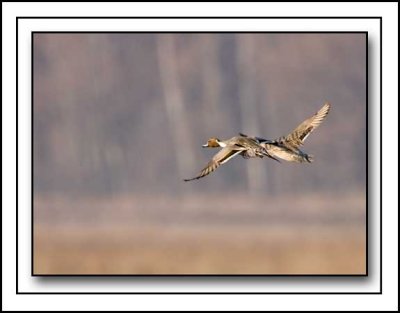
(205, 146)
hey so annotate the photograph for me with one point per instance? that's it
(199, 153)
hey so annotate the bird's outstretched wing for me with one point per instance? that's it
(223, 156)
(297, 137)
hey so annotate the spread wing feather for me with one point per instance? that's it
(223, 156)
(297, 137)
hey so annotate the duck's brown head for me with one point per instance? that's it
(212, 143)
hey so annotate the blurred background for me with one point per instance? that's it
(119, 120)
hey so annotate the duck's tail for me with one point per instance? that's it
(303, 158)
(309, 158)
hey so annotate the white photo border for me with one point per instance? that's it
(199, 284)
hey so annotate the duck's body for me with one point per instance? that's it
(286, 148)
(279, 149)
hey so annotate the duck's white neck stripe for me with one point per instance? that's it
(222, 144)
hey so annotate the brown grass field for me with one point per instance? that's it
(199, 250)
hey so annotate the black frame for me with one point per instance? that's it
(199, 276)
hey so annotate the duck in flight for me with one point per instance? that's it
(286, 147)
(246, 146)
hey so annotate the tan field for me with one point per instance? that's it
(199, 250)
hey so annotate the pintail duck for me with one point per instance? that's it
(288, 147)
(248, 147)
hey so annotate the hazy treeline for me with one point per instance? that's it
(127, 113)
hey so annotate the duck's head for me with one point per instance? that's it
(213, 143)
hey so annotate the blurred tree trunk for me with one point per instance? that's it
(175, 109)
(246, 65)
(270, 128)
(269, 112)
(211, 82)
